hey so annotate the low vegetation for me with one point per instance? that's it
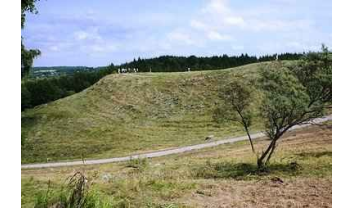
(225, 176)
(77, 193)
(131, 113)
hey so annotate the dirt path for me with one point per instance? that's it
(162, 152)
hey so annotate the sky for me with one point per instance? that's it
(97, 33)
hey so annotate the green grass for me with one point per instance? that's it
(172, 180)
(131, 113)
(52, 194)
(30, 188)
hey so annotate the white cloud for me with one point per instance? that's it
(180, 36)
(100, 49)
(278, 25)
(216, 7)
(285, 45)
(215, 21)
(302, 46)
(216, 27)
(219, 15)
(198, 25)
(90, 34)
(220, 12)
(233, 20)
(213, 35)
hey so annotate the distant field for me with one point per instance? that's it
(131, 113)
(300, 175)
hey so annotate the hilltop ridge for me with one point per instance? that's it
(131, 113)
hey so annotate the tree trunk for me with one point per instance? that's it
(271, 153)
(267, 154)
(250, 139)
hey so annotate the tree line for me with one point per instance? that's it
(181, 63)
(40, 91)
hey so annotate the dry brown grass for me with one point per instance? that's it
(260, 194)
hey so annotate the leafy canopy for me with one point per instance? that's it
(27, 6)
(290, 95)
(27, 56)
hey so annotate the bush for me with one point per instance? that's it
(26, 101)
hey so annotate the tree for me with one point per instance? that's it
(284, 102)
(180, 63)
(25, 97)
(39, 91)
(27, 56)
(238, 98)
(290, 96)
(27, 6)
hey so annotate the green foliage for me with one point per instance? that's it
(76, 194)
(27, 6)
(40, 91)
(26, 101)
(27, 56)
(291, 95)
(315, 73)
(23, 139)
(180, 63)
(238, 97)
(284, 56)
(284, 98)
(296, 94)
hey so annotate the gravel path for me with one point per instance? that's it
(162, 152)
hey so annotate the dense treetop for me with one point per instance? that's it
(181, 63)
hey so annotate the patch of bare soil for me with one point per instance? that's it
(312, 193)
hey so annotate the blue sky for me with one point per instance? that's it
(96, 33)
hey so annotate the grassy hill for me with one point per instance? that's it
(131, 113)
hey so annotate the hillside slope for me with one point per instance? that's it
(130, 113)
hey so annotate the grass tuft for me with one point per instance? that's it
(76, 194)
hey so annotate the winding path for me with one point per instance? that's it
(161, 152)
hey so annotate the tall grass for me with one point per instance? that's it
(77, 193)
